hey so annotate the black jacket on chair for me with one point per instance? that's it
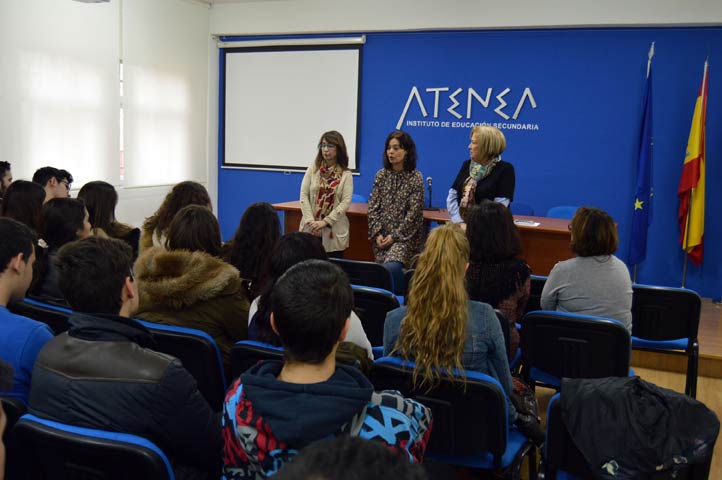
(103, 374)
(627, 428)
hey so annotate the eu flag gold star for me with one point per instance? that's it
(638, 204)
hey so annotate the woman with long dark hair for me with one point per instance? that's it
(256, 237)
(101, 199)
(23, 202)
(495, 275)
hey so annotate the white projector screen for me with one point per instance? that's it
(278, 102)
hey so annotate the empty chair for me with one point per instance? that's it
(368, 274)
(519, 208)
(54, 315)
(558, 344)
(247, 353)
(562, 211)
(537, 285)
(356, 198)
(666, 320)
(198, 353)
(371, 305)
(48, 449)
(470, 420)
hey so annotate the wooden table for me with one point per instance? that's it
(543, 245)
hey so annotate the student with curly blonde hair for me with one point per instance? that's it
(441, 329)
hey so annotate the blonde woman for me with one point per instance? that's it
(326, 193)
(441, 329)
(484, 176)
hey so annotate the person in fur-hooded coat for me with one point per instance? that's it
(195, 290)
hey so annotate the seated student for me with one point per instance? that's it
(595, 282)
(20, 338)
(155, 227)
(23, 201)
(101, 199)
(441, 329)
(276, 408)
(6, 178)
(56, 182)
(252, 245)
(187, 285)
(103, 373)
(62, 220)
(293, 248)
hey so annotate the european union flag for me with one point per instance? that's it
(642, 215)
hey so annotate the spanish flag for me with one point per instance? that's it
(691, 184)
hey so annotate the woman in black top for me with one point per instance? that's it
(484, 176)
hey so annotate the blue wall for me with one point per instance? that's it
(582, 137)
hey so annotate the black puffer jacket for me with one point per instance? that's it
(627, 428)
(102, 374)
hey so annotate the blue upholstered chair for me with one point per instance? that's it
(666, 320)
(371, 305)
(48, 449)
(557, 344)
(562, 211)
(470, 420)
(537, 286)
(368, 274)
(198, 353)
(247, 353)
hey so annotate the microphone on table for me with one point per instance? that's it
(429, 181)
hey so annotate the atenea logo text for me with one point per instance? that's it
(501, 104)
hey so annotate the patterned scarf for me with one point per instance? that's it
(330, 178)
(477, 172)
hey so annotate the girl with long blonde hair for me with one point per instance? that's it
(440, 328)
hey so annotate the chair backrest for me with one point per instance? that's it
(469, 419)
(48, 449)
(504, 324)
(368, 274)
(198, 353)
(519, 208)
(664, 313)
(537, 285)
(247, 353)
(562, 211)
(371, 305)
(54, 315)
(357, 198)
(575, 346)
(14, 408)
(408, 277)
(560, 452)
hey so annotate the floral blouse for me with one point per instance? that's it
(396, 209)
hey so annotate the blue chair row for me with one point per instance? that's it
(196, 350)
(664, 320)
(370, 274)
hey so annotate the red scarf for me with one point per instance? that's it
(330, 178)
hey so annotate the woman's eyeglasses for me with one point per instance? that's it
(326, 146)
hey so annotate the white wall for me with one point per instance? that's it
(309, 16)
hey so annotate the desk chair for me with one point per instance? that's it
(48, 449)
(470, 422)
(666, 320)
(368, 274)
(247, 353)
(198, 353)
(14, 408)
(371, 305)
(55, 316)
(557, 344)
(562, 211)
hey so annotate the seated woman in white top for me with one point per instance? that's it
(291, 249)
(595, 282)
